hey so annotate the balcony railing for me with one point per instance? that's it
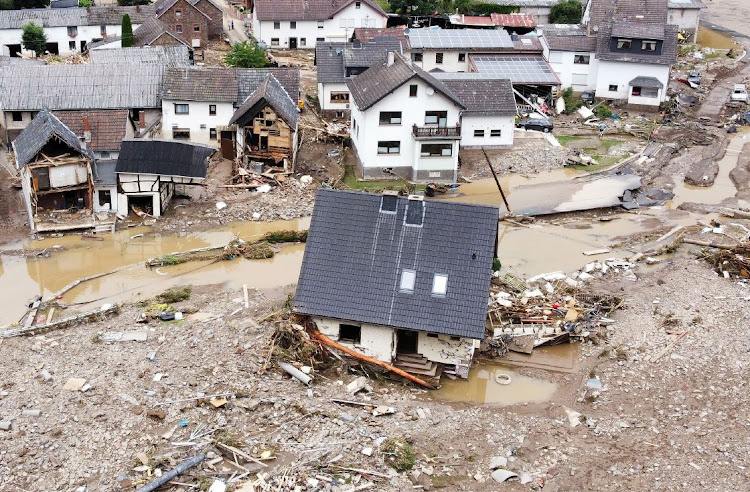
(436, 132)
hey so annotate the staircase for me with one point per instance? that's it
(420, 367)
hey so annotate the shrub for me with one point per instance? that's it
(176, 294)
(398, 453)
(566, 12)
(602, 112)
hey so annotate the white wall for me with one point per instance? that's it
(446, 350)
(69, 175)
(129, 184)
(470, 122)
(621, 73)
(105, 207)
(60, 36)
(198, 115)
(579, 76)
(338, 28)
(370, 131)
(324, 96)
(684, 18)
(450, 61)
(375, 341)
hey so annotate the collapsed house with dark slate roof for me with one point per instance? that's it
(401, 279)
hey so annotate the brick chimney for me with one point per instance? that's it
(142, 120)
(138, 9)
(639, 19)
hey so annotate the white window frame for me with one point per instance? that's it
(440, 284)
(408, 281)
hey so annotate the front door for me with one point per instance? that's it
(292, 43)
(227, 144)
(406, 342)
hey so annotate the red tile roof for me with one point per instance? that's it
(513, 20)
(107, 126)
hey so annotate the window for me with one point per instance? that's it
(416, 57)
(462, 57)
(274, 41)
(496, 133)
(439, 284)
(277, 25)
(413, 90)
(196, 28)
(439, 118)
(72, 31)
(390, 117)
(645, 91)
(105, 198)
(212, 133)
(388, 203)
(103, 31)
(479, 133)
(414, 213)
(72, 45)
(178, 13)
(303, 41)
(648, 45)
(350, 333)
(293, 25)
(612, 88)
(408, 279)
(320, 24)
(181, 133)
(439, 58)
(432, 335)
(320, 40)
(17, 116)
(436, 150)
(389, 147)
(104, 155)
(178, 28)
(181, 109)
(357, 5)
(339, 97)
(581, 59)
(624, 44)
(212, 109)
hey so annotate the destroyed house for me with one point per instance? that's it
(149, 172)
(400, 279)
(56, 177)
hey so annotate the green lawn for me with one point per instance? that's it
(566, 139)
(351, 182)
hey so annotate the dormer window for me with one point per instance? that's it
(408, 279)
(388, 202)
(439, 285)
(624, 44)
(648, 45)
(414, 211)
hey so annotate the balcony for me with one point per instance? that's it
(447, 132)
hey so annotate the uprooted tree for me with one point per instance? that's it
(34, 39)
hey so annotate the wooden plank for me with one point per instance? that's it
(239, 452)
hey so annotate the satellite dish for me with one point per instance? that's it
(430, 91)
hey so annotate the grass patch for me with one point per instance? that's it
(285, 237)
(176, 294)
(443, 481)
(351, 182)
(168, 260)
(258, 251)
(566, 139)
(398, 453)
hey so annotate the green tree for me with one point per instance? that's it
(30, 4)
(128, 3)
(566, 12)
(487, 8)
(246, 54)
(85, 3)
(34, 39)
(127, 32)
(6, 5)
(414, 7)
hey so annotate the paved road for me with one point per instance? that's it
(236, 35)
(720, 94)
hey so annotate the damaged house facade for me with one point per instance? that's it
(56, 175)
(400, 279)
(149, 171)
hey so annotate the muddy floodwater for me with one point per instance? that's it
(714, 39)
(72, 257)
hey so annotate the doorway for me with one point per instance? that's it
(14, 50)
(406, 342)
(292, 43)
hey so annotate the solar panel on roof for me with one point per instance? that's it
(519, 69)
(459, 38)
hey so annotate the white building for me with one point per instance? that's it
(572, 55)
(68, 30)
(686, 15)
(301, 24)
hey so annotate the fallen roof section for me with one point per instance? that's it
(272, 93)
(164, 158)
(44, 127)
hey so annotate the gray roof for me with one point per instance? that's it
(272, 93)
(63, 4)
(355, 256)
(378, 81)
(686, 4)
(332, 59)
(645, 11)
(526, 3)
(667, 57)
(300, 10)
(104, 172)
(329, 60)
(164, 157)
(458, 39)
(152, 29)
(638, 30)
(250, 78)
(104, 42)
(44, 127)
(85, 86)
(651, 82)
(91, 16)
(569, 37)
(519, 69)
(6, 61)
(159, 55)
(485, 97)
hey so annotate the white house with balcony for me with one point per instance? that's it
(68, 30)
(301, 24)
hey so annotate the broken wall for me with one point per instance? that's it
(375, 341)
(446, 350)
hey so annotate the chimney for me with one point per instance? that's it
(142, 120)
(138, 9)
(391, 58)
(639, 19)
(86, 131)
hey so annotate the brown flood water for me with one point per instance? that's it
(716, 40)
(23, 278)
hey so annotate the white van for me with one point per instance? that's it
(739, 93)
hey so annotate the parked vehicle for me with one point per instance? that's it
(694, 77)
(587, 97)
(538, 124)
(739, 93)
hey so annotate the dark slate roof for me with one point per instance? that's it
(152, 29)
(489, 97)
(638, 30)
(63, 4)
(378, 81)
(565, 42)
(355, 254)
(164, 157)
(301, 10)
(651, 82)
(646, 11)
(272, 93)
(201, 84)
(686, 4)
(108, 127)
(329, 60)
(178, 55)
(42, 128)
(667, 57)
(104, 172)
(250, 78)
